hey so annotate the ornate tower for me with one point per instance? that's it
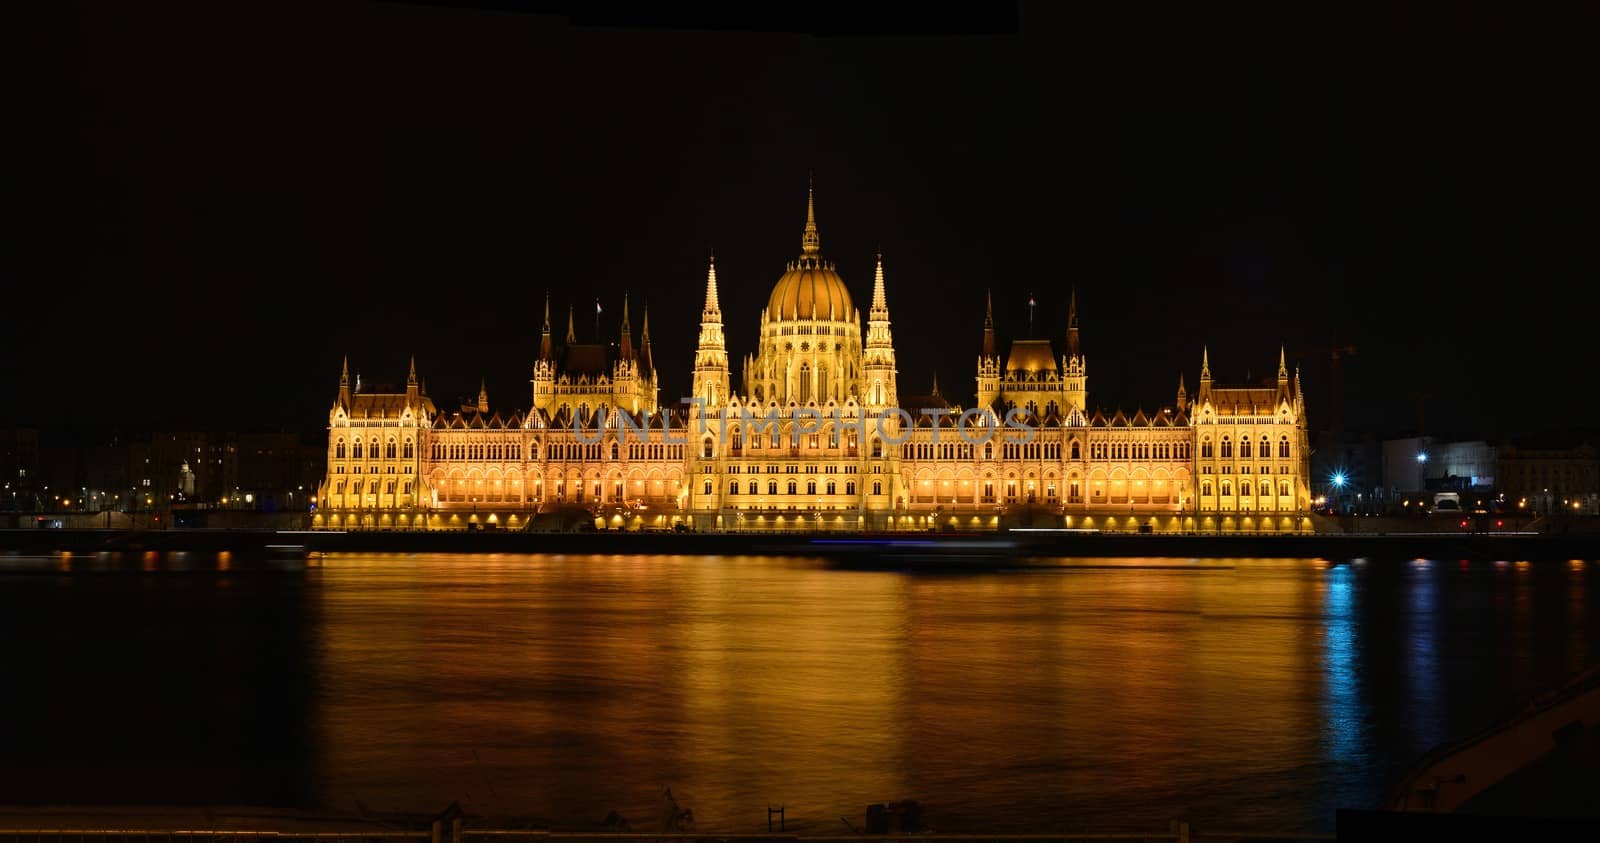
(989, 360)
(1204, 397)
(1074, 367)
(878, 359)
(544, 369)
(711, 355)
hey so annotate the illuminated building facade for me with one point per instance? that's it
(816, 436)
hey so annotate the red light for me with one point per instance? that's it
(1463, 523)
(1499, 523)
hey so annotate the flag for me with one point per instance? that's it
(597, 307)
(1031, 302)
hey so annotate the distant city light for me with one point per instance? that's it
(1338, 479)
(1422, 456)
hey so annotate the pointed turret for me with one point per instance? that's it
(935, 392)
(1072, 325)
(810, 243)
(1183, 395)
(1283, 368)
(626, 346)
(647, 363)
(1205, 376)
(572, 331)
(713, 306)
(344, 383)
(711, 354)
(412, 390)
(988, 324)
(546, 345)
(880, 301)
(483, 396)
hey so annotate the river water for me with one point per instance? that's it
(1084, 694)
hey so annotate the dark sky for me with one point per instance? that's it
(217, 201)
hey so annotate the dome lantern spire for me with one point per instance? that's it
(810, 243)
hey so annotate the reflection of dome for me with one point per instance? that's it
(810, 284)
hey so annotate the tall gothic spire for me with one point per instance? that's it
(810, 243)
(647, 365)
(545, 343)
(344, 382)
(572, 331)
(1072, 324)
(880, 301)
(713, 311)
(1283, 368)
(483, 395)
(1205, 364)
(411, 379)
(626, 348)
(988, 324)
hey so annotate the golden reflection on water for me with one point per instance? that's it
(1095, 694)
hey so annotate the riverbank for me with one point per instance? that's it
(911, 547)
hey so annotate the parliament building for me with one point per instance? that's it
(814, 434)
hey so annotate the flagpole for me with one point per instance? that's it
(596, 320)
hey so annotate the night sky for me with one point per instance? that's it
(216, 202)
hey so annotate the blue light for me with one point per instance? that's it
(1422, 456)
(1338, 479)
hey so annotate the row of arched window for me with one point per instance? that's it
(1244, 447)
(831, 487)
(373, 450)
(1244, 488)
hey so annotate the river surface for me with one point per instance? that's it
(1092, 694)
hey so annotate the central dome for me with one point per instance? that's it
(809, 287)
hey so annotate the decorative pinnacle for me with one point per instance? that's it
(988, 310)
(810, 243)
(546, 311)
(572, 332)
(411, 379)
(713, 307)
(1205, 363)
(344, 371)
(880, 301)
(1283, 369)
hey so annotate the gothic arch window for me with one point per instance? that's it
(1075, 449)
(1227, 449)
(1244, 447)
(355, 450)
(849, 487)
(616, 452)
(832, 487)
(338, 449)
(1244, 488)
(811, 487)
(1283, 447)
(1266, 448)
(772, 487)
(1205, 488)
(1205, 448)
(1227, 487)
(793, 487)
(755, 488)
(733, 487)
(877, 447)
(409, 451)
(877, 487)
(705, 448)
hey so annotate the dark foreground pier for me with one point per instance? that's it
(891, 549)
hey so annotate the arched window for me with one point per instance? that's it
(988, 450)
(832, 488)
(1227, 450)
(1244, 447)
(708, 487)
(1205, 448)
(1205, 488)
(1227, 488)
(1244, 486)
(738, 441)
(1283, 447)
(409, 451)
(338, 449)
(811, 487)
(1074, 449)
(772, 487)
(877, 447)
(755, 488)
(793, 487)
(705, 448)
(733, 487)
(877, 487)
(616, 452)
(1266, 448)
(1283, 488)
(849, 487)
